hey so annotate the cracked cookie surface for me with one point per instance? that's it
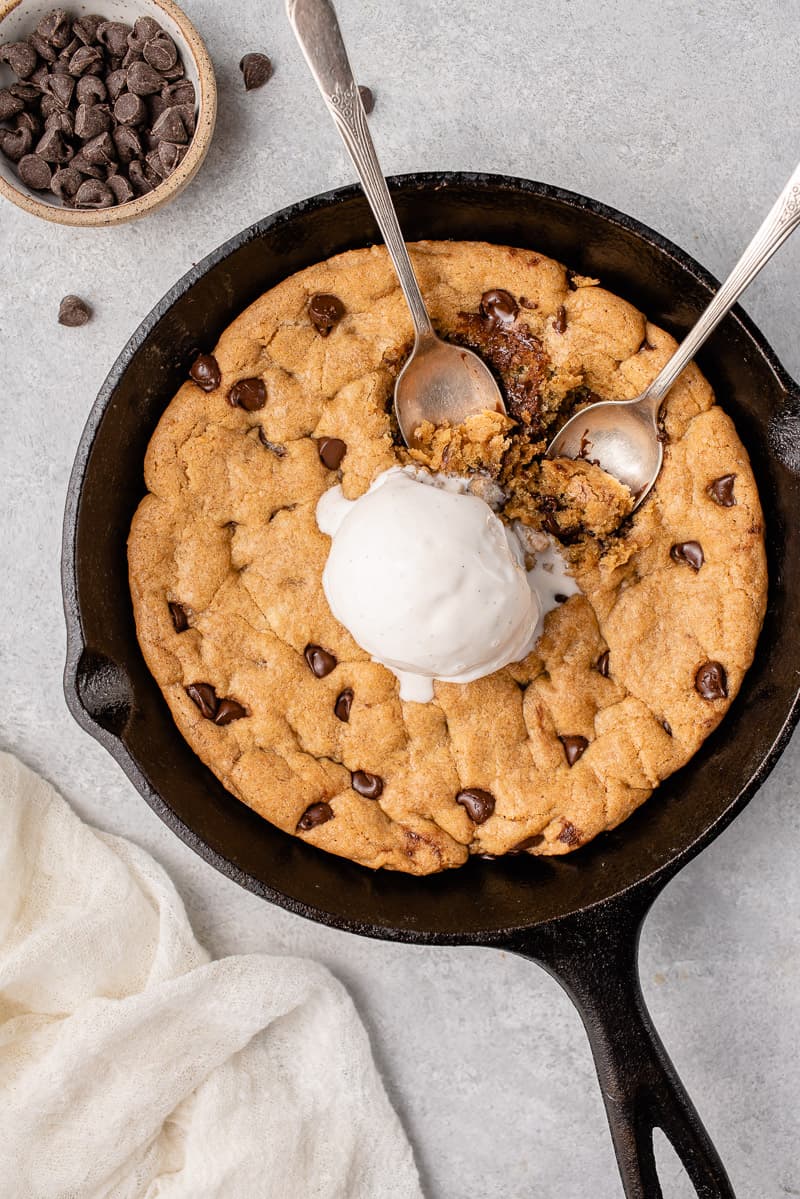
(274, 695)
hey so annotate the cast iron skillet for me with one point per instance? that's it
(579, 916)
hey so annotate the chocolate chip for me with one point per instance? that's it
(205, 372)
(181, 92)
(344, 702)
(711, 681)
(204, 695)
(319, 660)
(499, 306)
(130, 109)
(100, 151)
(690, 552)
(256, 70)
(569, 834)
(143, 80)
(55, 27)
(20, 57)
(120, 186)
(35, 172)
(85, 29)
(29, 120)
(367, 98)
(601, 665)
(94, 194)
(169, 127)
(79, 163)
(250, 394)
(228, 710)
(180, 619)
(368, 785)
(61, 122)
(646, 345)
(87, 60)
(559, 598)
(127, 144)
(144, 30)
(574, 747)
(10, 104)
(90, 90)
(161, 52)
(666, 726)
(43, 48)
(116, 84)
(142, 177)
(91, 120)
(721, 491)
(325, 312)
(65, 182)
(478, 804)
(16, 143)
(316, 814)
(531, 305)
(273, 446)
(560, 320)
(331, 451)
(62, 87)
(114, 36)
(52, 147)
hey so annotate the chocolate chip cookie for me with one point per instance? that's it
(628, 678)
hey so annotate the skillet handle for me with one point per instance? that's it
(594, 956)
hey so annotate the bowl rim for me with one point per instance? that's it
(650, 882)
(170, 187)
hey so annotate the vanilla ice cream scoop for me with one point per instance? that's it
(427, 580)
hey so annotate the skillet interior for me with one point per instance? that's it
(112, 694)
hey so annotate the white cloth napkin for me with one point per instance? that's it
(132, 1066)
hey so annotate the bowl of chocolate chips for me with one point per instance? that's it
(104, 116)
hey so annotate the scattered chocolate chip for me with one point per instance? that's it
(10, 104)
(721, 491)
(331, 451)
(273, 446)
(367, 98)
(478, 804)
(205, 372)
(35, 173)
(120, 186)
(325, 312)
(250, 394)
(256, 70)
(569, 834)
(574, 747)
(228, 710)
(368, 785)
(204, 695)
(319, 660)
(690, 552)
(73, 312)
(499, 306)
(94, 194)
(21, 57)
(143, 80)
(161, 52)
(344, 702)
(180, 619)
(114, 36)
(666, 726)
(711, 681)
(601, 665)
(130, 109)
(316, 814)
(55, 27)
(169, 127)
(524, 302)
(528, 843)
(560, 320)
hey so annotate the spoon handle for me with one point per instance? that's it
(782, 219)
(317, 30)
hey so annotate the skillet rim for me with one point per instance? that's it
(649, 883)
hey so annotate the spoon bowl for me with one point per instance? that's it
(443, 384)
(621, 436)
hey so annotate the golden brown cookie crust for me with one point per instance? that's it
(567, 743)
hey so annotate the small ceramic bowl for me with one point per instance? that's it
(18, 19)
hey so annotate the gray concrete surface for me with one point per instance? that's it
(682, 113)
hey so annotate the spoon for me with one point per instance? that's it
(621, 436)
(439, 382)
